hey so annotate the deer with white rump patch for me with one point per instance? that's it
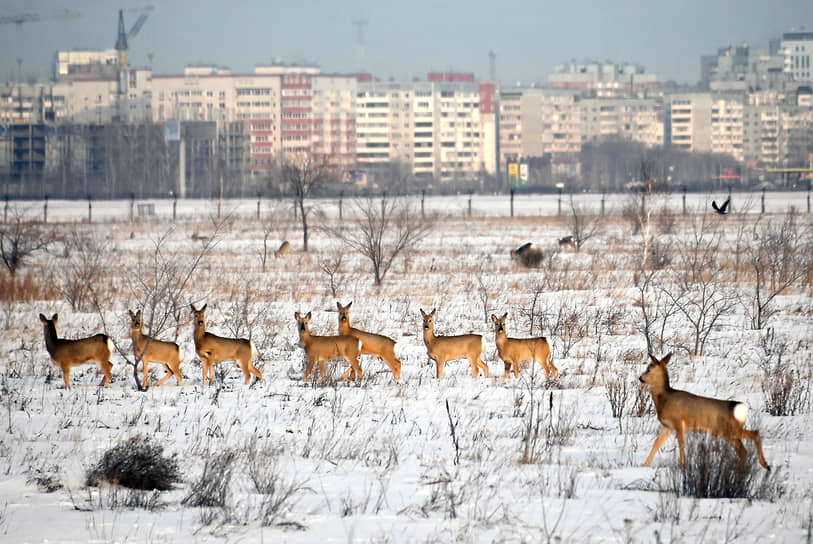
(214, 349)
(448, 348)
(681, 411)
(321, 349)
(514, 351)
(151, 350)
(372, 344)
(69, 353)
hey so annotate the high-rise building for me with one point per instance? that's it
(797, 49)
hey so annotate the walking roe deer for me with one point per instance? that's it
(371, 344)
(448, 348)
(514, 351)
(69, 353)
(324, 348)
(151, 350)
(681, 411)
(215, 349)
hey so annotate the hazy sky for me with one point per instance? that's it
(410, 37)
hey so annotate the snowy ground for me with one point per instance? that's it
(386, 461)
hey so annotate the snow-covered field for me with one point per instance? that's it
(421, 459)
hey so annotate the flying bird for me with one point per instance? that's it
(722, 210)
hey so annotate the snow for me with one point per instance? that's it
(376, 461)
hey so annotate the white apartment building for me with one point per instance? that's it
(605, 79)
(797, 48)
(690, 115)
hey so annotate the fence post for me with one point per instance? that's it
(512, 202)
(174, 206)
(763, 200)
(684, 199)
(132, 207)
(470, 193)
(341, 198)
(45, 210)
(603, 196)
(423, 196)
(559, 203)
(90, 207)
(383, 203)
(808, 195)
(730, 204)
(259, 199)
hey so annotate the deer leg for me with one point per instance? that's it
(552, 366)
(254, 370)
(66, 375)
(308, 369)
(356, 368)
(482, 365)
(107, 367)
(146, 373)
(681, 438)
(754, 435)
(165, 378)
(396, 368)
(323, 369)
(440, 368)
(662, 436)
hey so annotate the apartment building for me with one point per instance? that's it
(797, 49)
(605, 79)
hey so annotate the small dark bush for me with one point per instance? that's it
(715, 471)
(786, 392)
(136, 463)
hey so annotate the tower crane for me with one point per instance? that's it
(31, 17)
(122, 40)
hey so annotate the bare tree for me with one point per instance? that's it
(305, 174)
(19, 238)
(779, 257)
(385, 229)
(581, 228)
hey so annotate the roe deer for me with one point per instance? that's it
(69, 353)
(324, 348)
(681, 411)
(514, 351)
(283, 250)
(150, 350)
(214, 349)
(448, 348)
(372, 344)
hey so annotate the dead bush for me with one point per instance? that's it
(136, 463)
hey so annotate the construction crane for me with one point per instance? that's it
(30, 17)
(122, 40)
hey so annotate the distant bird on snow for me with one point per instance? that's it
(722, 210)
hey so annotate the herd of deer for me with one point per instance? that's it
(678, 411)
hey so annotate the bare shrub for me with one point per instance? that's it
(20, 238)
(785, 387)
(280, 491)
(85, 271)
(715, 471)
(136, 463)
(212, 488)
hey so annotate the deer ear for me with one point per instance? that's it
(138, 313)
(349, 304)
(433, 311)
(308, 316)
(192, 306)
(422, 312)
(204, 307)
(339, 305)
(132, 315)
(665, 360)
(654, 359)
(505, 315)
(54, 318)
(493, 318)
(296, 315)
(42, 318)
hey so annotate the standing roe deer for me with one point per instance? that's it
(214, 349)
(448, 348)
(372, 344)
(69, 353)
(514, 351)
(150, 350)
(324, 348)
(681, 411)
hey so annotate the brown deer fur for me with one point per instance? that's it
(324, 348)
(681, 411)
(150, 350)
(372, 344)
(214, 349)
(69, 353)
(514, 351)
(448, 348)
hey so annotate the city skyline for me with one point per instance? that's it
(405, 40)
